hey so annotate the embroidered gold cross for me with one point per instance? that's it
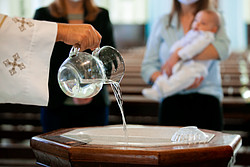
(2, 19)
(23, 22)
(14, 64)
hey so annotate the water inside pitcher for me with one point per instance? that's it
(82, 75)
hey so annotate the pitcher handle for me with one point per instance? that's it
(74, 51)
(96, 52)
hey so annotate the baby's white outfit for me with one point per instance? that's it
(186, 70)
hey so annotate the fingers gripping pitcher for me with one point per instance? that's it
(82, 75)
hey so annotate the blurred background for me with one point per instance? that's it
(133, 19)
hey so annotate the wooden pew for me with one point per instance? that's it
(18, 123)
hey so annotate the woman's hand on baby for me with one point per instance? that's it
(155, 76)
(168, 66)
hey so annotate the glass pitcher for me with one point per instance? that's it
(82, 75)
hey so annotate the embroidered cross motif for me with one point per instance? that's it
(14, 64)
(23, 22)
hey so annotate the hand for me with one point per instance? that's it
(168, 66)
(80, 101)
(196, 83)
(155, 75)
(84, 36)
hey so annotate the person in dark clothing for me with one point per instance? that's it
(62, 111)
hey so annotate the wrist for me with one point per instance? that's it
(61, 31)
(177, 56)
(154, 76)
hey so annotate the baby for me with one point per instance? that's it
(185, 71)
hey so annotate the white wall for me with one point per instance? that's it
(157, 8)
(126, 11)
(233, 12)
(21, 8)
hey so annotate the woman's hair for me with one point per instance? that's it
(58, 9)
(176, 7)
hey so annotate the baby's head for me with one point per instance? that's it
(206, 20)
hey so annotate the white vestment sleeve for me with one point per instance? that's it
(198, 44)
(26, 48)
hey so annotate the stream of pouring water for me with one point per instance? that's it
(92, 86)
(118, 96)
